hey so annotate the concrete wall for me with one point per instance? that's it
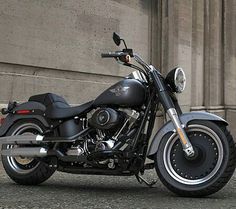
(55, 46)
(230, 62)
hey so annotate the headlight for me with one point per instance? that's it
(176, 79)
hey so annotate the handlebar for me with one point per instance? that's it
(125, 56)
(122, 56)
(114, 54)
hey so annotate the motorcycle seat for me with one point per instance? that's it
(58, 108)
(48, 99)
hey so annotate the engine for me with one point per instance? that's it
(107, 122)
(108, 126)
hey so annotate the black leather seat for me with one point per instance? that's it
(58, 108)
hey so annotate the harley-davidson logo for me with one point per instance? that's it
(119, 90)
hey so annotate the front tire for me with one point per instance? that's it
(26, 171)
(205, 174)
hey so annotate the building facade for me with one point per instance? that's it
(55, 46)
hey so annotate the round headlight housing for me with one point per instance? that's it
(176, 79)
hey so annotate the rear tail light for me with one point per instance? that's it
(23, 112)
(2, 121)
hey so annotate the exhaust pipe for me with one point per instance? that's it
(36, 139)
(21, 139)
(25, 152)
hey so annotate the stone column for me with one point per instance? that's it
(197, 76)
(213, 82)
(176, 42)
(154, 32)
(230, 62)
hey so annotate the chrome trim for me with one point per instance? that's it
(25, 152)
(177, 71)
(138, 76)
(39, 138)
(187, 147)
(19, 139)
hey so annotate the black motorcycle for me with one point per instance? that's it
(193, 153)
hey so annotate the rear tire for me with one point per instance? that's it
(205, 175)
(26, 171)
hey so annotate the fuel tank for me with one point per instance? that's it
(125, 93)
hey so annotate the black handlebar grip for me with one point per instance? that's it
(108, 55)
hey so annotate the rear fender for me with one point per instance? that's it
(185, 119)
(37, 110)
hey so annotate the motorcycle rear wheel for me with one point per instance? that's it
(26, 171)
(208, 171)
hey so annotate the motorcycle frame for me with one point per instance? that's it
(136, 152)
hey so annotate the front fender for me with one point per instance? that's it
(12, 118)
(185, 119)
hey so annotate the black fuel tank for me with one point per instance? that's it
(125, 93)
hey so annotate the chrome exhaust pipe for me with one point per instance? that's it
(36, 139)
(21, 139)
(25, 152)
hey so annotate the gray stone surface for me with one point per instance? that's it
(70, 35)
(213, 47)
(20, 82)
(197, 72)
(230, 53)
(104, 192)
(55, 46)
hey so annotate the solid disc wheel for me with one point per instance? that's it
(205, 173)
(22, 170)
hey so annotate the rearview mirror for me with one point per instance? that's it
(116, 39)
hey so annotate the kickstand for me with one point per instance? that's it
(142, 180)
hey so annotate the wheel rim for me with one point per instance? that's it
(19, 164)
(192, 172)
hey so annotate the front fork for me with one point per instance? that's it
(169, 107)
(186, 144)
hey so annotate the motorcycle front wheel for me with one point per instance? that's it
(208, 171)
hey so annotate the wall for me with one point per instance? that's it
(55, 46)
(230, 62)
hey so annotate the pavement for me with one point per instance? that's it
(86, 191)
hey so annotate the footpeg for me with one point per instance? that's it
(142, 180)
